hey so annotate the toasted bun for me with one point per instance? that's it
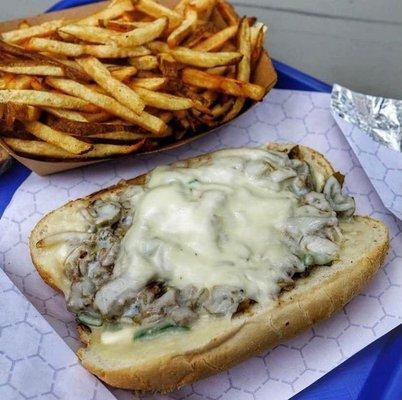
(164, 364)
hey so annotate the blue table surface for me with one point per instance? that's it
(373, 373)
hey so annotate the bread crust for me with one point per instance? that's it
(314, 298)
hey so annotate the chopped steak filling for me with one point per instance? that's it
(312, 234)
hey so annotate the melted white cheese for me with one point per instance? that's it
(218, 223)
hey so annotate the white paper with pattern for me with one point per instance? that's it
(382, 165)
(35, 363)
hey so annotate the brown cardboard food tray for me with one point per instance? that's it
(265, 76)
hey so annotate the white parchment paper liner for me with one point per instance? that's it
(285, 115)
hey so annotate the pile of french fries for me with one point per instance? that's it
(132, 77)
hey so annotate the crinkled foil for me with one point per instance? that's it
(379, 117)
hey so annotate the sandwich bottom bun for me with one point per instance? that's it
(168, 362)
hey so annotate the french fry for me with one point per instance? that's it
(205, 6)
(119, 136)
(244, 67)
(145, 120)
(101, 75)
(102, 116)
(141, 35)
(181, 6)
(217, 70)
(22, 112)
(148, 83)
(118, 71)
(24, 24)
(57, 138)
(221, 109)
(216, 41)
(195, 58)
(217, 19)
(46, 99)
(19, 82)
(133, 38)
(115, 10)
(66, 114)
(163, 101)
(85, 128)
(201, 32)
(229, 86)
(157, 10)
(39, 149)
(184, 29)
(202, 5)
(166, 116)
(76, 50)
(122, 26)
(257, 44)
(144, 63)
(168, 65)
(29, 67)
(21, 34)
(123, 73)
(227, 12)
(21, 53)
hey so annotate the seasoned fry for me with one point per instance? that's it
(114, 87)
(21, 34)
(184, 29)
(82, 128)
(19, 82)
(42, 149)
(29, 67)
(57, 138)
(202, 5)
(24, 54)
(76, 50)
(163, 101)
(217, 70)
(119, 136)
(145, 120)
(157, 10)
(115, 10)
(24, 24)
(122, 26)
(148, 83)
(168, 66)
(47, 99)
(244, 67)
(229, 86)
(67, 114)
(144, 63)
(133, 38)
(141, 35)
(102, 116)
(216, 41)
(118, 71)
(180, 7)
(123, 73)
(23, 112)
(257, 44)
(227, 12)
(217, 19)
(195, 58)
(201, 32)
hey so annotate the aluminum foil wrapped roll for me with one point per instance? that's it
(379, 117)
